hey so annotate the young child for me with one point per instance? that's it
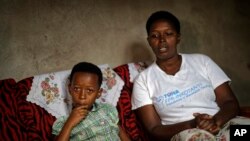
(88, 119)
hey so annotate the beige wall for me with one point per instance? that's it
(38, 37)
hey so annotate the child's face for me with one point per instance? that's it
(84, 89)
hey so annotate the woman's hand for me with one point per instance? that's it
(206, 122)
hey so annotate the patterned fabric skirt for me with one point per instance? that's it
(196, 134)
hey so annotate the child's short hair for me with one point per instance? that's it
(89, 68)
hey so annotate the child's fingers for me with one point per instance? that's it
(83, 111)
(85, 106)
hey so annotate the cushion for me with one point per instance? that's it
(35, 122)
(22, 120)
(9, 125)
(128, 119)
(7, 89)
(50, 91)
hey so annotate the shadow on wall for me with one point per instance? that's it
(138, 52)
(243, 7)
(240, 87)
(189, 38)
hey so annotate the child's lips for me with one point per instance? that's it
(80, 105)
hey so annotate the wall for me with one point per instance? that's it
(38, 37)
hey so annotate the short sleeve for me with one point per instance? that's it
(58, 125)
(112, 112)
(140, 94)
(215, 74)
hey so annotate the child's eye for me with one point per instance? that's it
(76, 89)
(90, 91)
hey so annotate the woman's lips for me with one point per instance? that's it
(163, 49)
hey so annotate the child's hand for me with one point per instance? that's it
(77, 114)
(206, 122)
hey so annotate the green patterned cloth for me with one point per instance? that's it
(101, 124)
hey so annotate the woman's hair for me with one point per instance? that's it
(163, 15)
(87, 67)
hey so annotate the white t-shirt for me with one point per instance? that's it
(177, 97)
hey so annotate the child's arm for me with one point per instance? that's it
(65, 132)
(123, 135)
(75, 117)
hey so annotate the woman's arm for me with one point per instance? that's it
(226, 100)
(229, 108)
(152, 123)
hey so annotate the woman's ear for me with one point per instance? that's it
(148, 39)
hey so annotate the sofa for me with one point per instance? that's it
(22, 120)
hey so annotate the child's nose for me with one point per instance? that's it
(83, 95)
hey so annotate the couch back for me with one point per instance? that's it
(23, 121)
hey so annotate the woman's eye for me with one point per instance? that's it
(167, 34)
(164, 35)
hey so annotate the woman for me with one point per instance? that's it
(181, 91)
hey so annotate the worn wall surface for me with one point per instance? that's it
(38, 37)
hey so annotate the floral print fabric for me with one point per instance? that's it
(49, 91)
(196, 134)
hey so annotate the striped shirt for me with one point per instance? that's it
(101, 124)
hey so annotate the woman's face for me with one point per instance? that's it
(163, 40)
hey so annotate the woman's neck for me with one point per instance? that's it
(170, 66)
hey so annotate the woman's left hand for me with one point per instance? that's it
(206, 122)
